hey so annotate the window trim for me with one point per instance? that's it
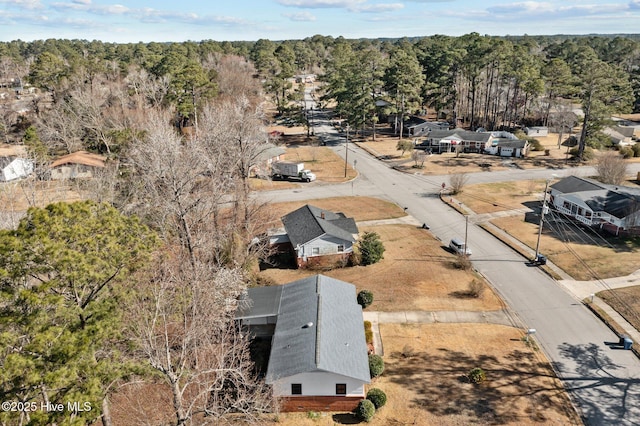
(315, 251)
(344, 386)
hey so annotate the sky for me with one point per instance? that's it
(236, 20)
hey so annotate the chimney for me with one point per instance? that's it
(322, 215)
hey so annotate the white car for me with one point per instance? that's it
(458, 246)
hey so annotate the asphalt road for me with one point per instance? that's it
(603, 382)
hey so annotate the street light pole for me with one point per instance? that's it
(346, 152)
(544, 208)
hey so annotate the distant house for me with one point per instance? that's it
(305, 78)
(12, 168)
(318, 357)
(319, 236)
(417, 126)
(536, 131)
(78, 165)
(265, 158)
(614, 208)
(620, 135)
(507, 148)
(495, 143)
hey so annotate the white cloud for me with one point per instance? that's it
(378, 8)
(24, 4)
(321, 4)
(300, 17)
(82, 1)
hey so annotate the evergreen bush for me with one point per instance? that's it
(365, 410)
(376, 365)
(378, 397)
(371, 248)
(365, 298)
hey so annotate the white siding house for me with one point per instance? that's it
(615, 208)
(315, 234)
(319, 383)
(318, 358)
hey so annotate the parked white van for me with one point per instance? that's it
(457, 245)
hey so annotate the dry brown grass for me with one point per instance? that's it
(20, 195)
(606, 262)
(430, 388)
(500, 196)
(415, 274)
(626, 301)
(321, 160)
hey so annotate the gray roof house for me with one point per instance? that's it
(318, 358)
(614, 208)
(318, 235)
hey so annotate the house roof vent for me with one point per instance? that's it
(308, 325)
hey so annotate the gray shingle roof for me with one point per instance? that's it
(260, 302)
(310, 222)
(464, 135)
(335, 342)
(618, 201)
(576, 184)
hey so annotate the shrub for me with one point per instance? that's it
(407, 351)
(476, 289)
(587, 155)
(376, 365)
(536, 145)
(365, 410)
(627, 152)
(365, 298)
(368, 332)
(368, 335)
(636, 149)
(371, 248)
(314, 415)
(462, 262)
(477, 375)
(378, 397)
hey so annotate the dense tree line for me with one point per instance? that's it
(473, 80)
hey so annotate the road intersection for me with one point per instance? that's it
(604, 383)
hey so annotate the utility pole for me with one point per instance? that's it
(544, 208)
(346, 152)
(466, 233)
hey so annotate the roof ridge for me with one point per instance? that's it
(318, 322)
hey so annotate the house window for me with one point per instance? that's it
(296, 388)
(341, 388)
(340, 248)
(315, 250)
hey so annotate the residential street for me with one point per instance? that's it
(604, 383)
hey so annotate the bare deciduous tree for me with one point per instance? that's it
(182, 320)
(457, 181)
(611, 168)
(418, 156)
